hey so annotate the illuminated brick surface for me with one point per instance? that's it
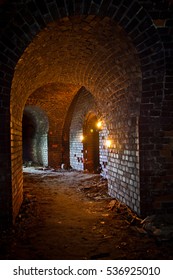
(117, 52)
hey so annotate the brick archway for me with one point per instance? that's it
(147, 65)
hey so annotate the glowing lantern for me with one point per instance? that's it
(99, 124)
(108, 143)
(82, 138)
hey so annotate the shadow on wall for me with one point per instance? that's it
(35, 136)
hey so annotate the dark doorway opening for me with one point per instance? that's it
(91, 144)
(35, 136)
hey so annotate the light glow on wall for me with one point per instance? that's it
(81, 137)
(99, 124)
(108, 143)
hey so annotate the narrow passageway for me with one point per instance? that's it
(86, 85)
(68, 215)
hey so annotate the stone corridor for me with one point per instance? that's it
(86, 85)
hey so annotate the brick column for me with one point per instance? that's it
(5, 170)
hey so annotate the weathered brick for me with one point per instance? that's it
(124, 72)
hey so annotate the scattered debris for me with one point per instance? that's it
(112, 204)
(159, 226)
(96, 190)
(116, 233)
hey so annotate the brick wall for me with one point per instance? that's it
(103, 137)
(123, 162)
(16, 166)
(120, 162)
(113, 48)
(6, 214)
(83, 105)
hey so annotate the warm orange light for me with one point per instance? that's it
(99, 124)
(108, 143)
(81, 138)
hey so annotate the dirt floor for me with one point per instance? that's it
(68, 215)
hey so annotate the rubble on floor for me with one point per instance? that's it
(117, 224)
(159, 226)
(97, 189)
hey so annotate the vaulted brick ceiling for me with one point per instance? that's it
(74, 52)
(54, 99)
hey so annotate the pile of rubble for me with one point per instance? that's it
(158, 226)
(97, 189)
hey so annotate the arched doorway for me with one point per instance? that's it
(35, 136)
(91, 144)
(108, 65)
